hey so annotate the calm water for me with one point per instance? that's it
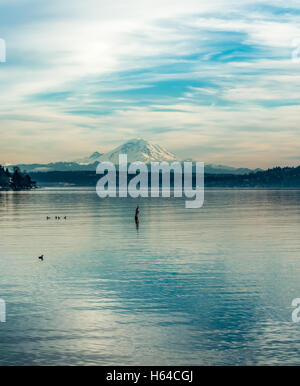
(189, 287)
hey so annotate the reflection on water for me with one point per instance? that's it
(182, 287)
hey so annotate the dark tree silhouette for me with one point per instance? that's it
(16, 181)
(4, 179)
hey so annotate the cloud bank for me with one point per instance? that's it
(217, 82)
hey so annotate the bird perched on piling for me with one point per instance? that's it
(137, 214)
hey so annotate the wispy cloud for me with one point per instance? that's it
(211, 81)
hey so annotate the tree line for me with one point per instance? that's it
(16, 180)
(287, 177)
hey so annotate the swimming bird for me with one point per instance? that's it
(48, 218)
(65, 217)
(41, 257)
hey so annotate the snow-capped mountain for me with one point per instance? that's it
(89, 160)
(139, 150)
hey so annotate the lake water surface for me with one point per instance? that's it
(209, 286)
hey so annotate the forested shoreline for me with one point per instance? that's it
(15, 180)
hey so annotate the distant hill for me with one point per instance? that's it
(89, 160)
(136, 149)
(55, 166)
(139, 150)
(222, 169)
(16, 180)
(288, 177)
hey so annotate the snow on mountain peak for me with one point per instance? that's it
(89, 160)
(96, 154)
(139, 149)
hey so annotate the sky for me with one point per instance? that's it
(215, 81)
